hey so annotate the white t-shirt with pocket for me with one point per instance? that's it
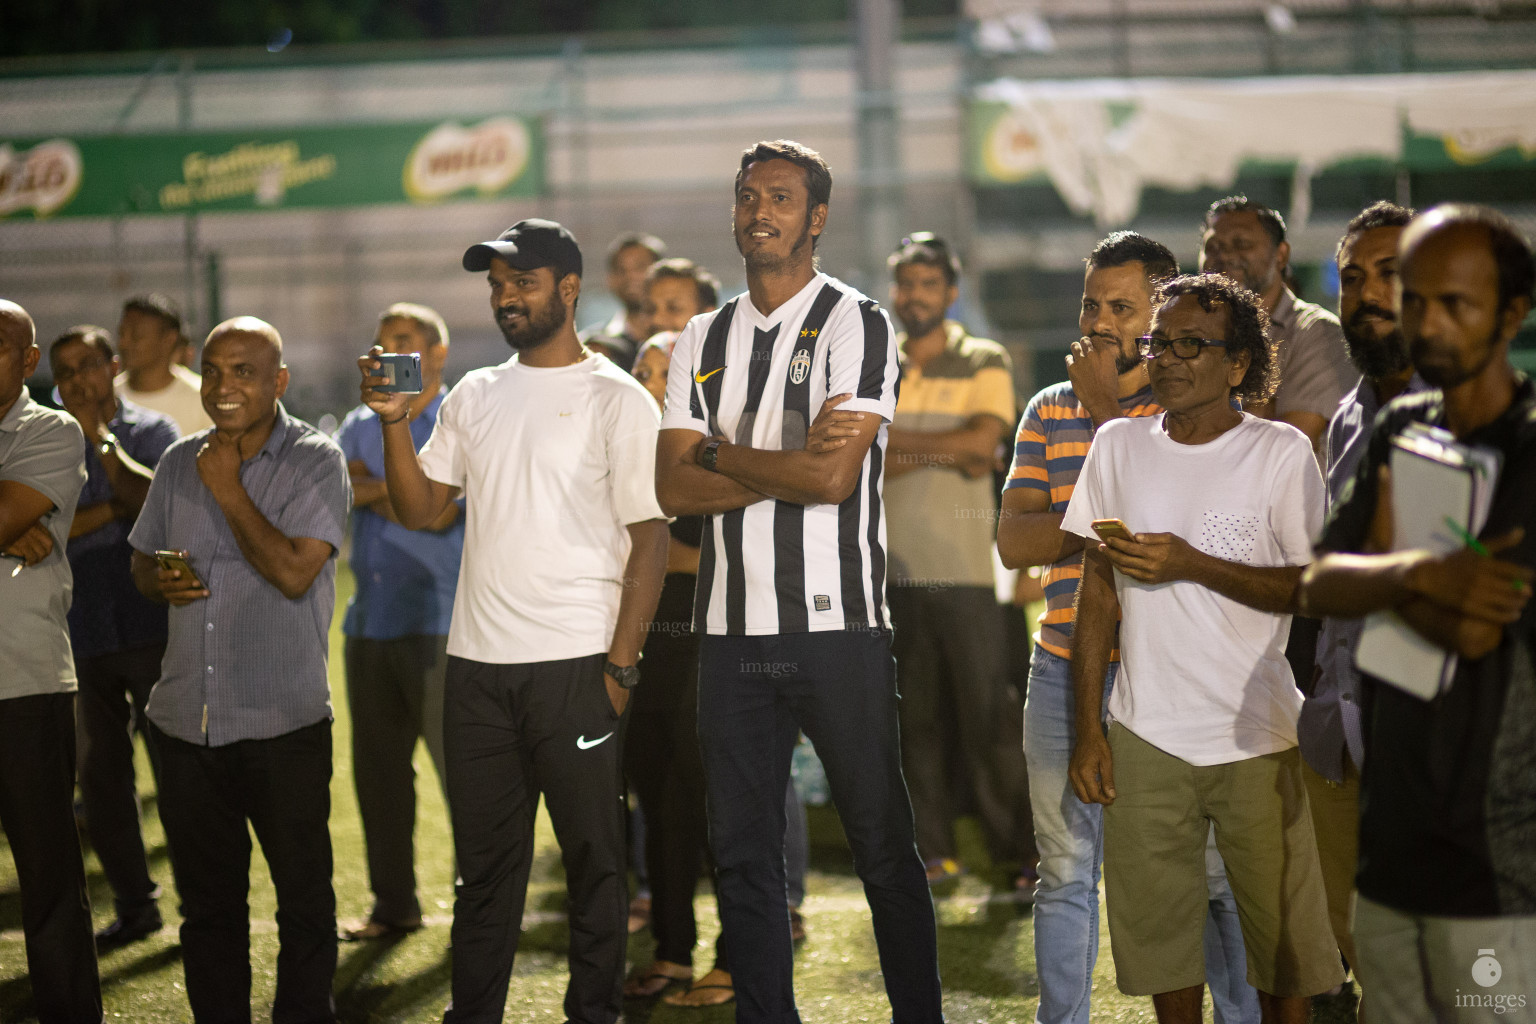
(554, 463)
(1202, 676)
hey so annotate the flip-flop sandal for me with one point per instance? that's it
(648, 984)
(672, 999)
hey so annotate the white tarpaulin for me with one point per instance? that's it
(1102, 143)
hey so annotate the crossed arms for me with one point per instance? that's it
(824, 472)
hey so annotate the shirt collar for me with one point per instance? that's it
(128, 413)
(279, 435)
(1521, 411)
(954, 335)
(1365, 395)
(1141, 397)
(19, 409)
(785, 310)
(1285, 310)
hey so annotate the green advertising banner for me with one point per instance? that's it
(343, 165)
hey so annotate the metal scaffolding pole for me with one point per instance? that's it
(880, 200)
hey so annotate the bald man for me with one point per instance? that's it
(241, 715)
(42, 468)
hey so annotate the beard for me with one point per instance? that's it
(1377, 358)
(536, 329)
(761, 262)
(1444, 366)
(1123, 363)
(918, 326)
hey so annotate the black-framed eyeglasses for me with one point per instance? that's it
(1184, 348)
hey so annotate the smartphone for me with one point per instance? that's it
(177, 561)
(1107, 528)
(403, 372)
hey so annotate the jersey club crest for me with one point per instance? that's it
(799, 367)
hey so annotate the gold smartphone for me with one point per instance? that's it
(177, 561)
(1107, 528)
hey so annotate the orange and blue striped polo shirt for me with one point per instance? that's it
(1048, 454)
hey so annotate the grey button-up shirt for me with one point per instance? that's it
(1330, 725)
(45, 450)
(1315, 371)
(246, 663)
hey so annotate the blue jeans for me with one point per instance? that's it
(1070, 837)
(1233, 1000)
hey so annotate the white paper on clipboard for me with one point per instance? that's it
(1434, 478)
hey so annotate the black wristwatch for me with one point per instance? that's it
(625, 675)
(711, 454)
(108, 444)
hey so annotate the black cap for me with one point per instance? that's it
(528, 245)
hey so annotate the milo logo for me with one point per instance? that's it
(450, 158)
(43, 178)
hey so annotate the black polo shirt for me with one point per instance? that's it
(1448, 793)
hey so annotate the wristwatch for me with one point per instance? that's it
(711, 454)
(625, 675)
(108, 444)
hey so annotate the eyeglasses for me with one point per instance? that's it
(1184, 348)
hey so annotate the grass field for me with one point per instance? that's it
(985, 939)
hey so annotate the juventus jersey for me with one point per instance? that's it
(775, 566)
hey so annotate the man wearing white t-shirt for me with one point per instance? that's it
(1223, 507)
(564, 553)
(148, 337)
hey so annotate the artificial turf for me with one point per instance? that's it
(985, 936)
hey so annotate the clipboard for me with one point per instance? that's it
(1434, 478)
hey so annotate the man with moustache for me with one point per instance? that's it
(791, 593)
(41, 473)
(564, 554)
(396, 629)
(956, 402)
(117, 634)
(1329, 730)
(629, 257)
(1447, 876)
(241, 715)
(1107, 380)
(1222, 507)
(1245, 240)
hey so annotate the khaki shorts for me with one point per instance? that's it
(1154, 870)
(1336, 820)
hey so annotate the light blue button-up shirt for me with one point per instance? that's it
(405, 578)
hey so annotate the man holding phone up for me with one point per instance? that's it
(1203, 713)
(396, 624)
(241, 715)
(564, 553)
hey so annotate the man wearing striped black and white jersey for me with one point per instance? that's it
(775, 429)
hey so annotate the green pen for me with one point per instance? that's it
(1476, 545)
(1471, 541)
